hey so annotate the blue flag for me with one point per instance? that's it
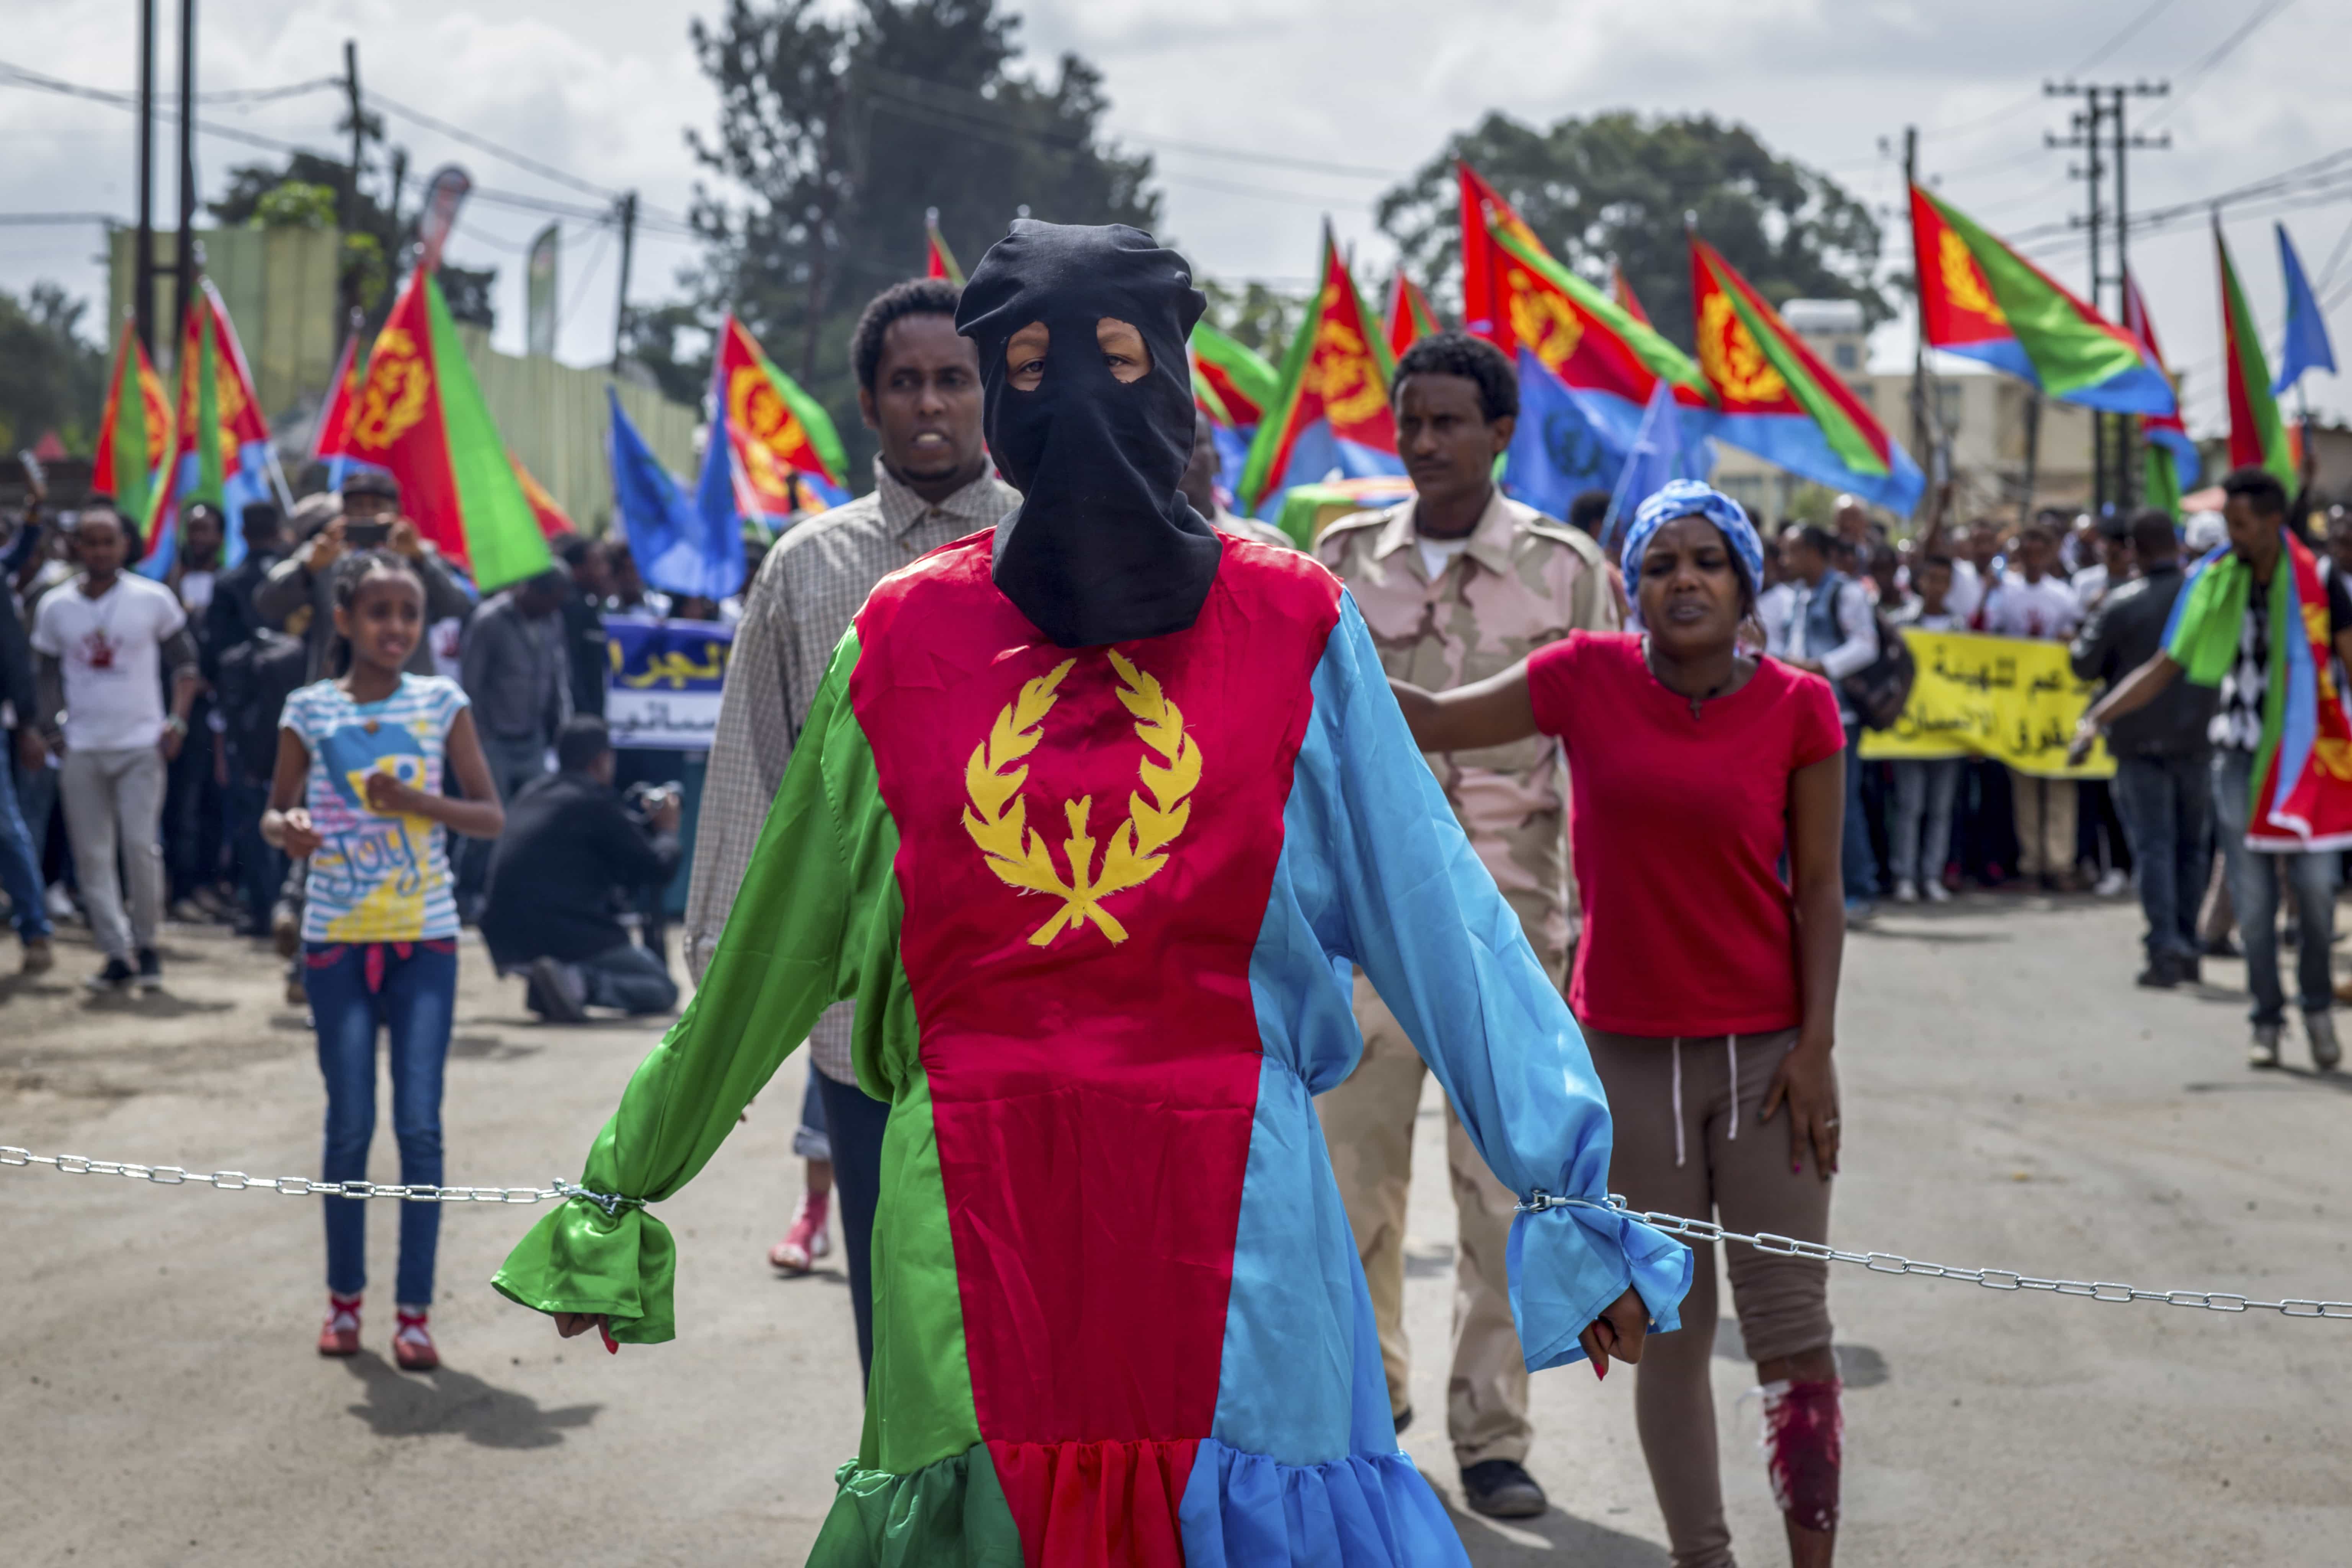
(1662, 450)
(2306, 347)
(681, 549)
(1557, 451)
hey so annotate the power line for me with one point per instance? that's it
(2196, 73)
(520, 160)
(2130, 28)
(2123, 36)
(57, 220)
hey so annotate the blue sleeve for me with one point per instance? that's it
(1422, 917)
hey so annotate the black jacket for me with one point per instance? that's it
(2124, 632)
(16, 663)
(231, 619)
(583, 641)
(569, 844)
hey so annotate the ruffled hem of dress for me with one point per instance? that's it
(1568, 1263)
(949, 1514)
(1367, 1510)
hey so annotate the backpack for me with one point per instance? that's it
(1879, 690)
(255, 678)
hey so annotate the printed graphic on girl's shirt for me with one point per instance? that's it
(378, 875)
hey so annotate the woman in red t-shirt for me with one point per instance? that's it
(1706, 984)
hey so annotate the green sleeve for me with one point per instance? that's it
(795, 944)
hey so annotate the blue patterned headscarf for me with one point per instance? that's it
(1688, 497)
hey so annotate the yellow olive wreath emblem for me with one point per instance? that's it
(997, 816)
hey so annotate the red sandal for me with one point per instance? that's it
(341, 1335)
(411, 1342)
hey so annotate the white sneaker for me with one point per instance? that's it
(61, 904)
(1936, 892)
(1907, 892)
(2114, 884)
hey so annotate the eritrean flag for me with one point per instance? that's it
(1232, 385)
(2302, 769)
(2172, 463)
(769, 441)
(220, 453)
(1329, 415)
(1980, 299)
(420, 416)
(554, 522)
(1410, 317)
(134, 433)
(1782, 403)
(1587, 367)
(939, 261)
(2257, 434)
(331, 442)
(1620, 289)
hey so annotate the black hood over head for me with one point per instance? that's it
(1104, 548)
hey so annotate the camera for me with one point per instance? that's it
(643, 799)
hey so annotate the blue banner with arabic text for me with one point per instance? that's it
(662, 691)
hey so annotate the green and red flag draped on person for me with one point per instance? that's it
(419, 415)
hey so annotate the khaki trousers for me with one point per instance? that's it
(1368, 1121)
(2044, 812)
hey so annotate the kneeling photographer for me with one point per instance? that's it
(571, 849)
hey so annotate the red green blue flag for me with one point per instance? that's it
(1620, 289)
(1981, 299)
(1588, 368)
(939, 261)
(1330, 414)
(419, 415)
(134, 433)
(771, 447)
(2257, 434)
(1779, 399)
(220, 454)
(1410, 317)
(2172, 459)
(331, 442)
(2302, 767)
(554, 522)
(1232, 385)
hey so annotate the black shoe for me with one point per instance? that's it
(2222, 947)
(116, 976)
(2189, 970)
(150, 970)
(2162, 973)
(1404, 1419)
(1502, 1488)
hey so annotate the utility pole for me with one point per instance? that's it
(359, 130)
(185, 263)
(1927, 415)
(2112, 469)
(143, 260)
(628, 213)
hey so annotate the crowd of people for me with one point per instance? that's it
(339, 744)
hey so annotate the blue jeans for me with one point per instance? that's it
(630, 978)
(260, 869)
(20, 860)
(2167, 804)
(1855, 862)
(1921, 843)
(411, 1000)
(2254, 892)
(854, 1122)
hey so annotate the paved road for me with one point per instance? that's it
(2011, 1101)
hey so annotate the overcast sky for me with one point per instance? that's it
(606, 90)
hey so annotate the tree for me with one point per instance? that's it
(1254, 315)
(1616, 186)
(651, 338)
(306, 194)
(843, 130)
(50, 379)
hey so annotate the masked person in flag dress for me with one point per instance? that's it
(2257, 619)
(1093, 816)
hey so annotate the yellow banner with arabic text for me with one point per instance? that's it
(2007, 699)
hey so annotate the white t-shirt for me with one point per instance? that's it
(2042, 610)
(1967, 591)
(1437, 554)
(196, 591)
(111, 651)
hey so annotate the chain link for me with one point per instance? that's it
(1539, 1202)
(1895, 1263)
(303, 1187)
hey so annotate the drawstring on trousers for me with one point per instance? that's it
(1731, 1057)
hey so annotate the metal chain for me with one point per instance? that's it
(303, 1187)
(1536, 1203)
(1894, 1263)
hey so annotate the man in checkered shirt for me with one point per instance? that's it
(919, 390)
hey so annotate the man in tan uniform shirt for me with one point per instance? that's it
(1457, 585)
